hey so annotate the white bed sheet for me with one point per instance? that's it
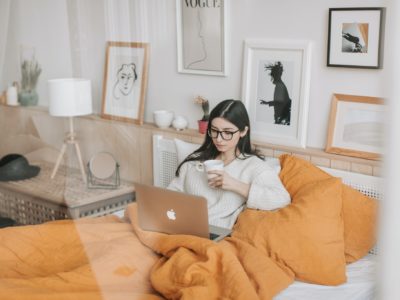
(360, 285)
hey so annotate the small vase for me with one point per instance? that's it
(202, 126)
(28, 98)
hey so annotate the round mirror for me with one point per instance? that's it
(102, 165)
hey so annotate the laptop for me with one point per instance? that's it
(167, 211)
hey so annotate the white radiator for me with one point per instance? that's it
(165, 160)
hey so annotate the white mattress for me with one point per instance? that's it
(360, 285)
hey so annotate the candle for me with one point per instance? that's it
(12, 96)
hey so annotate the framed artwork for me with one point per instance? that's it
(276, 79)
(201, 28)
(356, 126)
(355, 37)
(125, 81)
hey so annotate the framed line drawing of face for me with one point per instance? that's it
(355, 37)
(125, 81)
(356, 126)
(276, 79)
(201, 36)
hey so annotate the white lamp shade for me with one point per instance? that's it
(70, 97)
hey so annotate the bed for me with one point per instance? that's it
(112, 258)
(360, 285)
(361, 275)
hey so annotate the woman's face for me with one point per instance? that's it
(220, 128)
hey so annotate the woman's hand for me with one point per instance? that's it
(226, 182)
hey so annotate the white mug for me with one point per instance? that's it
(210, 165)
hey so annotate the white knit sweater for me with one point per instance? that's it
(266, 190)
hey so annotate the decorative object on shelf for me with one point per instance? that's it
(203, 125)
(276, 80)
(202, 36)
(179, 123)
(16, 167)
(203, 122)
(30, 71)
(70, 97)
(125, 81)
(355, 37)
(356, 126)
(103, 171)
(12, 95)
(163, 118)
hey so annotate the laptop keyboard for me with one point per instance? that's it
(213, 236)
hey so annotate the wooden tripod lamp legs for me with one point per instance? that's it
(70, 139)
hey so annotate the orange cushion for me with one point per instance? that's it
(359, 211)
(305, 236)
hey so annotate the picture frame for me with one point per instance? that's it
(355, 37)
(202, 37)
(356, 126)
(125, 81)
(274, 70)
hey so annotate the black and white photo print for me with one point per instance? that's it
(355, 37)
(274, 94)
(276, 79)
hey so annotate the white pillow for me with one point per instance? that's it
(183, 149)
(274, 163)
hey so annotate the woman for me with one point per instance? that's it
(246, 179)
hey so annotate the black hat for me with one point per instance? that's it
(16, 167)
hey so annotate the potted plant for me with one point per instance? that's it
(30, 71)
(203, 122)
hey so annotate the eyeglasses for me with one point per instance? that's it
(225, 135)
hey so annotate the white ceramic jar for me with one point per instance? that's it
(163, 118)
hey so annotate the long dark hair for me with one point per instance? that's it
(235, 112)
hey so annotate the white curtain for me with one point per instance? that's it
(4, 17)
(87, 40)
(92, 23)
(390, 208)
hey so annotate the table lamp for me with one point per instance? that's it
(70, 97)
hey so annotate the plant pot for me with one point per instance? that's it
(202, 126)
(28, 98)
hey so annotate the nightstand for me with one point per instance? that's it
(40, 199)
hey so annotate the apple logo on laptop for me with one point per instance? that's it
(171, 214)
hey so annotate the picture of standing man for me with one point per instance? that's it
(281, 102)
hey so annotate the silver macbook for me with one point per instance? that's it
(167, 211)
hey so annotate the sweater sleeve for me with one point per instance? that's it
(267, 192)
(177, 184)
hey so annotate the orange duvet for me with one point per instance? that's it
(106, 258)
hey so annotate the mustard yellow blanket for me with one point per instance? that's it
(106, 258)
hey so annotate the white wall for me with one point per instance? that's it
(154, 21)
(41, 24)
